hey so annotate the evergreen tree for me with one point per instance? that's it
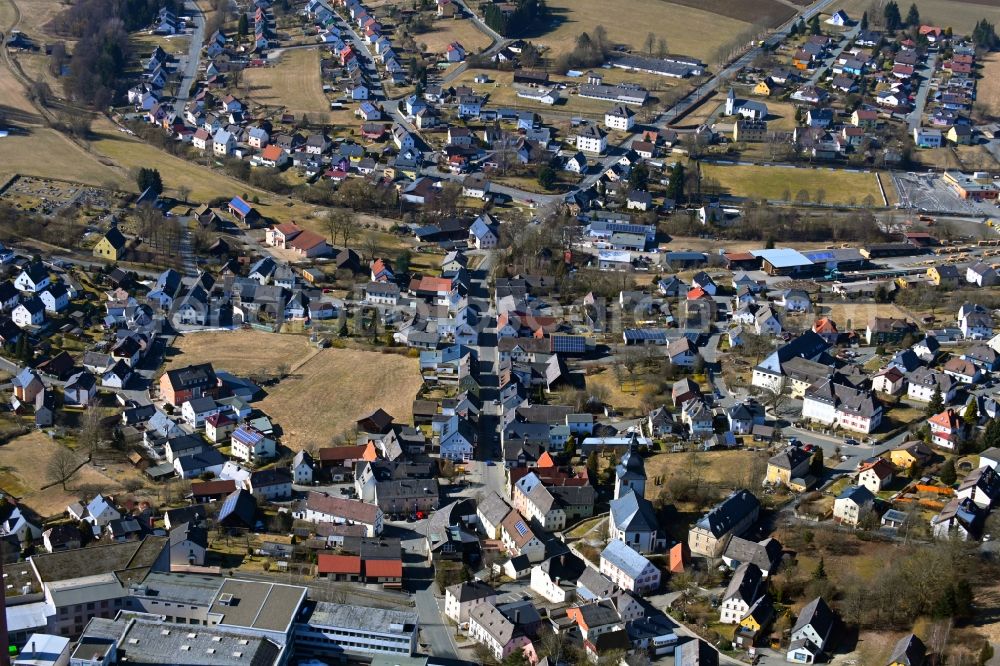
(864, 21)
(991, 436)
(149, 178)
(638, 178)
(971, 413)
(547, 177)
(893, 20)
(985, 36)
(244, 26)
(913, 16)
(675, 189)
(820, 572)
(814, 25)
(816, 463)
(948, 475)
(794, 30)
(936, 405)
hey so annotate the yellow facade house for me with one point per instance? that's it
(111, 246)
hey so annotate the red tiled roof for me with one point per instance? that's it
(384, 568)
(946, 419)
(824, 325)
(271, 153)
(342, 453)
(339, 564)
(306, 240)
(434, 284)
(213, 488)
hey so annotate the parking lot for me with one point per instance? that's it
(928, 192)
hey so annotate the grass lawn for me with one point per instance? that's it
(238, 351)
(960, 16)
(447, 31)
(35, 15)
(294, 83)
(857, 314)
(780, 116)
(324, 397)
(22, 473)
(988, 87)
(711, 466)
(688, 30)
(838, 186)
(62, 158)
(144, 44)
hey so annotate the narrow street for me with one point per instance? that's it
(190, 62)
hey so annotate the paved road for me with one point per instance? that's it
(193, 58)
(848, 38)
(926, 72)
(433, 628)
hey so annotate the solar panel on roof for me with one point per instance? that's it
(568, 343)
(521, 528)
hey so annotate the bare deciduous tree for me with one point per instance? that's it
(62, 466)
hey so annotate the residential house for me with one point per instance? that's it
(730, 518)
(745, 588)
(851, 504)
(947, 429)
(460, 599)
(876, 475)
(250, 444)
(628, 569)
(792, 463)
(811, 632)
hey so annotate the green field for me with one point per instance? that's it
(775, 183)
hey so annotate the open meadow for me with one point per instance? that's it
(959, 16)
(988, 87)
(688, 30)
(63, 159)
(293, 83)
(778, 183)
(22, 473)
(238, 352)
(334, 388)
(446, 31)
(326, 391)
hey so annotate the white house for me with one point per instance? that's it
(744, 589)
(811, 632)
(33, 279)
(55, 297)
(619, 118)
(187, 545)
(251, 445)
(628, 569)
(30, 312)
(875, 476)
(460, 599)
(302, 468)
(591, 139)
(851, 504)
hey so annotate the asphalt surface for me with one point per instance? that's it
(193, 59)
(926, 72)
